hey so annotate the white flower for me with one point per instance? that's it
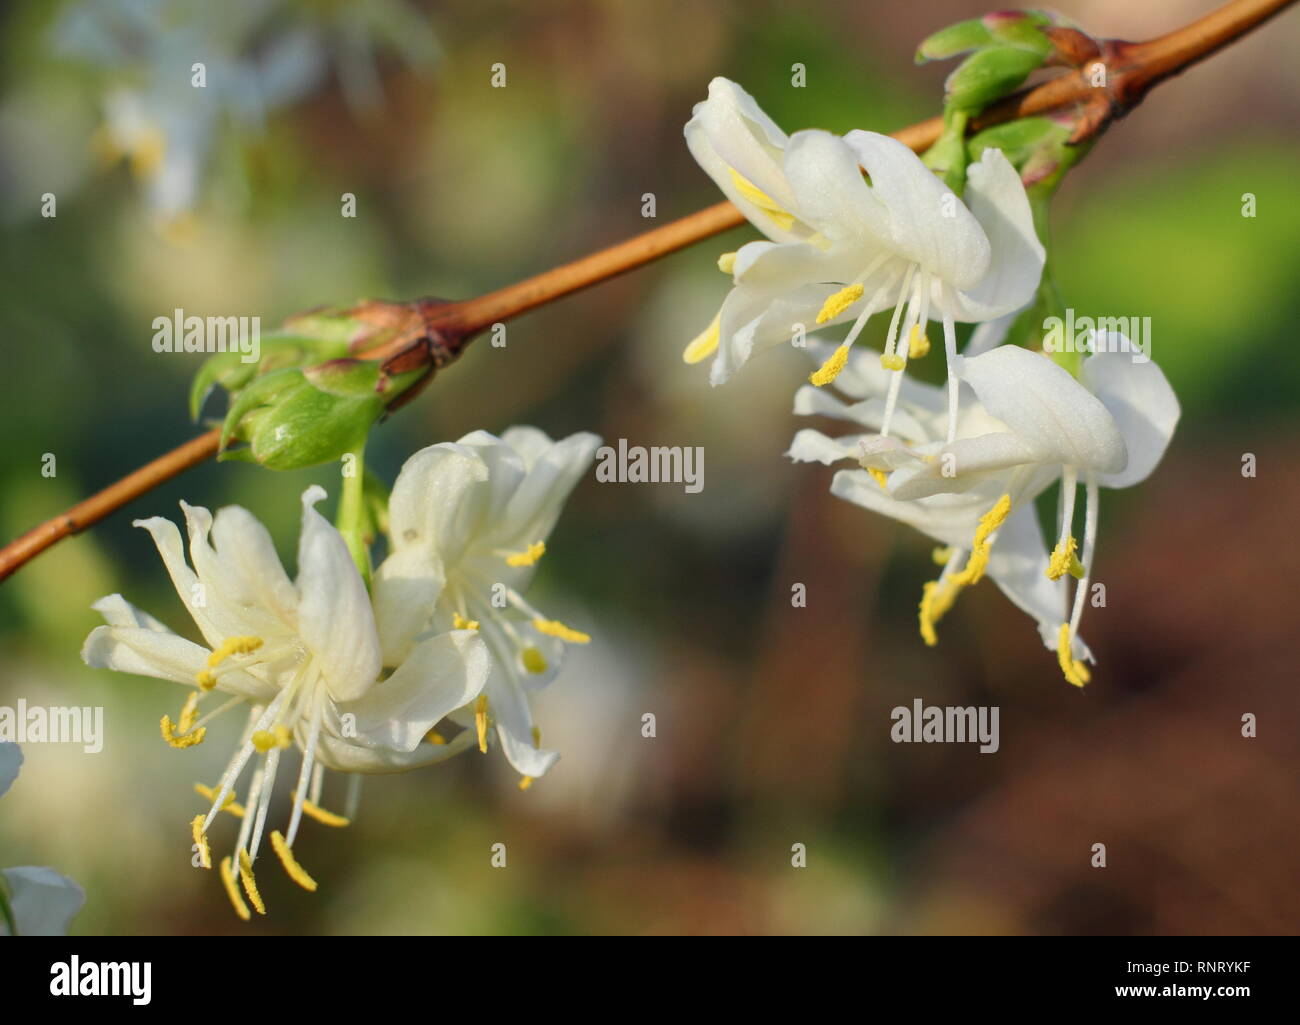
(468, 522)
(33, 901)
(1029, 424)
(303, 657)
(845, 246)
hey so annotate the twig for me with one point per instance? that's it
(1132, 69)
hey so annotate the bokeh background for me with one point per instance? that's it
(773, 722)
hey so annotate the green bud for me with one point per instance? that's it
(962, 37)
(293, 417)
(279, 350)
(988, 75)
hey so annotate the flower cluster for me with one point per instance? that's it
(858, 224)
(439, 655)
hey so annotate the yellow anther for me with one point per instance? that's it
(325, 818)
(1075, 671)
(727, 263)
(277, 736)
(782, 218)
(1063, 557)
(201, 842)
(703, 345)
(181, 740)
(880, 477)
(534, 660)
(250, 883)
(283, 737)
(232, 891)
(529, 556)
(830, 370)
(918, 344)
(434, 737)
(537, 737)
(938, 596)
(979, 553)
(941, 556)
(554, 628)
(839, 302)
(296, 872)
(459, 622)
(525, 782)
(233, 646)
(229, 804)
(481, 721)
(189, 713)
(892, 361)
(206, 679)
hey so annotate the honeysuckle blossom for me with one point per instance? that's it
(1027, 423)
(468, 522)
(34, 901)
(856, 225)
(303, 658)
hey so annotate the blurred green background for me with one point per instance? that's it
(773, 722)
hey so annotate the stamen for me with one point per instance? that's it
(184, 740)
(325, 818)
(459, 622)
(206, 679)
(554, 628)
(938, 596)
(880, 477)
(232, 891)
(727, 263)
(277, 736)
(434, 737)
(782, 218)
(839, 302)
(534, 661)
(537, 737)
(979, 555)
(233, 646)
(525, 782)
(189, 713)
(1075, 671)
(918, 344)
(831, 368)
(703, 345)
(201, 841)
(250, 883)
(1063, 558)
(481, 721)
(229, 805)
(296, 872)
(892, 361)
(529, 556)
(941, 555)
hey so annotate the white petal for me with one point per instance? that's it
(405, 591)
(831, 194)
(164, 656)
(997, 199)
(514, 724)
(1049, 410)
(431, 499)
(811, 446)
(334, 616)
(117, 611)
(43, 901)
(535, 505)
(244, 545)
(440, 675)
(355, 756)
(1142, 402)
(754, 320)
(961, 465)
(1018, 565)
(949, 519)
(928, 224)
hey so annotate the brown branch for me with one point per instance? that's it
(1132, 69)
